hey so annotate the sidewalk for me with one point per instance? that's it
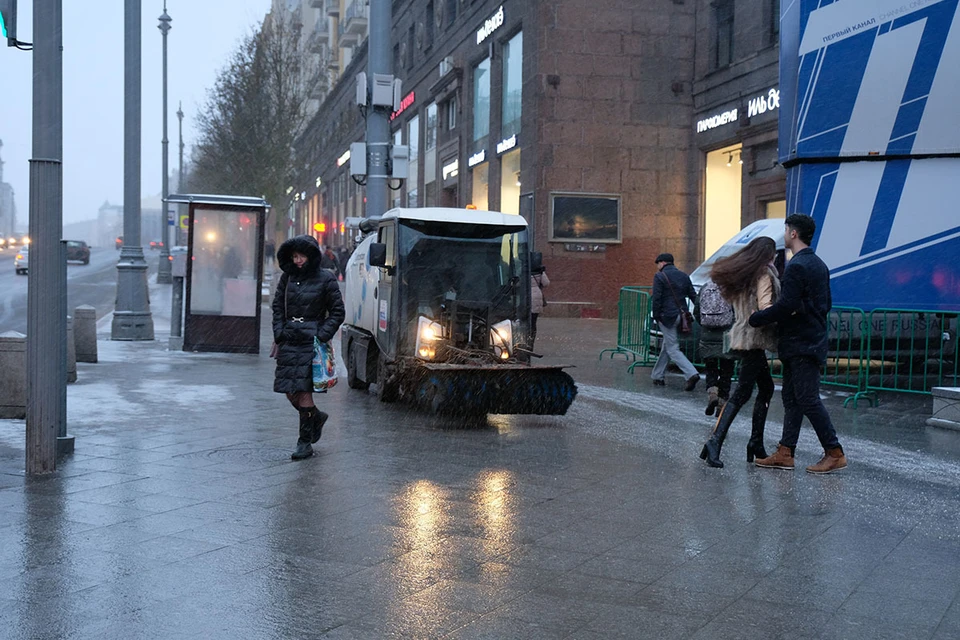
(180, 514)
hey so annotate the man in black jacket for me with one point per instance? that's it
(671, 288)
(801, 317)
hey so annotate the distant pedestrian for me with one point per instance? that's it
(343, 256)
(671, 289)
(749, 281)
(328, 261)
(307, 305)
(538, 281)
(801, 317)
(715, 316)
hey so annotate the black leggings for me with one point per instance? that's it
(754, 370)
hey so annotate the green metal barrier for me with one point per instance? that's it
(911, 351)
(633, 325)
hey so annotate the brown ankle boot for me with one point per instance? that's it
(832, 460)
(782, 458)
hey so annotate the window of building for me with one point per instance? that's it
(722, 210)
(451, 13)
(480, 177)
(723, 32)
(411, 46)
(428, 24)
(775, 208)
(396, 195)
(512, 85)
(413, 141)
(510, 182)
(430, 156)
(481, 104)
(775, 20)
(451, 109)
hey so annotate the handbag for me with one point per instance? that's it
(324, 366)
(686, 318)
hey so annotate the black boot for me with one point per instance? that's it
(315, 419)
(711, 450)
(304, 450)
(755, 445)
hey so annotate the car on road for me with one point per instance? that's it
(22, 260)
(156, 244)
(78, 251)
(118, 242)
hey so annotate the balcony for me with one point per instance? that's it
(320, 37)
(333, 8)
(355, 18)
(345, 38)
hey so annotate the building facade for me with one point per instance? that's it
(8, 206)
(580, 116)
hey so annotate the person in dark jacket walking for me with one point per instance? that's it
(801, 317)
(307, 305)
(671, 288)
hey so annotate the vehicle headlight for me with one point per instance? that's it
(501, 337)
(429, 333)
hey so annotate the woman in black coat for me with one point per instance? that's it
(307, 305)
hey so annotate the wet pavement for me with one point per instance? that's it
(180, 515)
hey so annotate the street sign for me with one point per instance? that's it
(184, 219)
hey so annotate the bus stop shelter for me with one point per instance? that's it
(224, 272)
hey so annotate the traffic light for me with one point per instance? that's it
(8, 21)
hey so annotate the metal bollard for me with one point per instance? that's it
(85, 333)
(71, 353)
(13, 375)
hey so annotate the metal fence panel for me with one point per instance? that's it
(911, 351)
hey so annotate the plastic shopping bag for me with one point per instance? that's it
(324, 366)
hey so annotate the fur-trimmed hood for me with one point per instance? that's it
(308, 246)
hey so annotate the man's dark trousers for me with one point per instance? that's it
(801, 397)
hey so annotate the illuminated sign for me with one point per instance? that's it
(491, 24)
(763, 103)
(344, 159)
(506, 145)
(451, 170)
(319, 182)
(405, 104)
(477, 158)
(717, 121)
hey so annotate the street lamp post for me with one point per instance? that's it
(176, 300)
(163, 270)
(131, 319)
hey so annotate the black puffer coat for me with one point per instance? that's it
(307, 305)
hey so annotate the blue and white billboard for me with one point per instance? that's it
(870, 96)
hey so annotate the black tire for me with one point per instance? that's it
(353, 381)
(87, 261)
(386, 391)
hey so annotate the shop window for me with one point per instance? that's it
(775, 208)
(512, 85)
(722, 210)
(480, 176)
(481, 104)
(510, 182)
(723, 33)
(430, 156)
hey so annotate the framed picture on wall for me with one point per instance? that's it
(585, 217)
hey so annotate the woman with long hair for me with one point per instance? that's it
(749, 282)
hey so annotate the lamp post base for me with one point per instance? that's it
(132, 319)
(164, 269)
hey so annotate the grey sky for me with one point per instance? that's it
(204, 34)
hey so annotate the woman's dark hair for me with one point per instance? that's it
(736, 274)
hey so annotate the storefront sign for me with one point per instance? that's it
(344, 159)
(477, 158)
(717, 121)
(763, 103)
(506, 145)
(451, 170)
(492, 23)
(405, 103)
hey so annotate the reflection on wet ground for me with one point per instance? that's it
(186, 519)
